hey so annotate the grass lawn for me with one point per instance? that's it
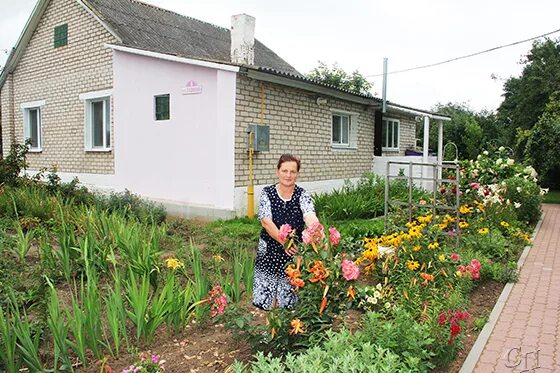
(553, 196)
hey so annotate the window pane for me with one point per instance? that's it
(345, 128)
(34, 127)
(97, 123)
(60, 35)
(336, 129)
(107, 123)
(396, 135)
(162, 107)
(390, 134)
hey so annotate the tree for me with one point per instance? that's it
(542, 148)
(335, 76)
(525, 97)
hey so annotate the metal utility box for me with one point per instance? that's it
(261, 137)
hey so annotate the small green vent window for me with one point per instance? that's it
(162, 107)
(61, 35)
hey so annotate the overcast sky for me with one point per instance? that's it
(358, 34)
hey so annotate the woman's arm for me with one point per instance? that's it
(271, 228)
(310, 219)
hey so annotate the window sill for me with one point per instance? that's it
(100, 150)
(343, 148)
(36, 150)
(391, 150)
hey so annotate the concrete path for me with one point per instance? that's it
(523, 331)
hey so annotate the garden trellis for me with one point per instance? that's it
(435, 181)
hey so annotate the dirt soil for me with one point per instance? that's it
(211, 348)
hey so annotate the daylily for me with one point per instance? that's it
(294, 274)
(351, 293)
(334, 236)
(297, 327)
(319, 272)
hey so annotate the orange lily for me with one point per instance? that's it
(294, 274)
(324, 300)
(427, 277)
(297, 327)
(319, 272)
(351, 293)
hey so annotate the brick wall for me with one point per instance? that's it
(301, 127)
(58, 76)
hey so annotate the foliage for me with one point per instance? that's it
(542, 148)
(364, 199)
(337, 77)
(13, 164)
(342, 352)
(133, 206)
(526, 197)
(526, 96)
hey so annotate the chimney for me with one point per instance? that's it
(243, 39)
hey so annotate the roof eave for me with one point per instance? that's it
(296, 82)
(23, 40)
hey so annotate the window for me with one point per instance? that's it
(32, 124)
(162, 107)
(61, 35)
(344, 130)
(390, 134)
(97, 120)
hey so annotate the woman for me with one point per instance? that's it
(283, 203)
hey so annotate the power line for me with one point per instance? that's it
(465, 56)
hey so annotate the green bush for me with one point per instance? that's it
(525, 196)
(133, 206)
(364, 199)
(13, 164)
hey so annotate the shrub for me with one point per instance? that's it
(525, 196)
(13, 164)
(133, 206)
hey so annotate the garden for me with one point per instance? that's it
(109, 283)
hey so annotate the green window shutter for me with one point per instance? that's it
(162, 107)
(61, 35)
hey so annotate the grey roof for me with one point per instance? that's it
(144, 26)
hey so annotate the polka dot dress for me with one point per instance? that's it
(270, 279)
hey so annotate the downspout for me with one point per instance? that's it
(425, 146)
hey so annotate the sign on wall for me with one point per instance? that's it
(191, 88)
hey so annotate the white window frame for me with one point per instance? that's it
(89, 98)
(352, 130)
(385, 134)
(26, 108)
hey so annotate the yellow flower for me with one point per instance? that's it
(527, 238)
(173, 263)
(465, 209)
(442, 226)
(479, 206)
(425, 219)
(458, 274)
(463, 224)
(417, 248)
(504, 224)
(433, 245)
(441, 257)
(217, 258)
(483, 230)
(412, 265)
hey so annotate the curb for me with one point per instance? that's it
(478, 346)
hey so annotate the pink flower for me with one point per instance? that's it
(350, 271)
(313, 234)
(284, 232)
(454, 257)
(475, 264)
(475, 185)
(218, 301)
(155, 359)
(461, 268)
(334, 236)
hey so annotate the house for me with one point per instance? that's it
(123, 94)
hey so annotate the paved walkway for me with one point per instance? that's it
(526, 333)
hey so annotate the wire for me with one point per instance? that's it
(465, 56)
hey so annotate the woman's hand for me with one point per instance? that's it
(292, 250)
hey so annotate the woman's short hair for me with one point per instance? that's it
(288, 158)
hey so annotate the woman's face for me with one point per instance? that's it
(287, 173)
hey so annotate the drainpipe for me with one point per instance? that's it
(440, 148)
(425, 146)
